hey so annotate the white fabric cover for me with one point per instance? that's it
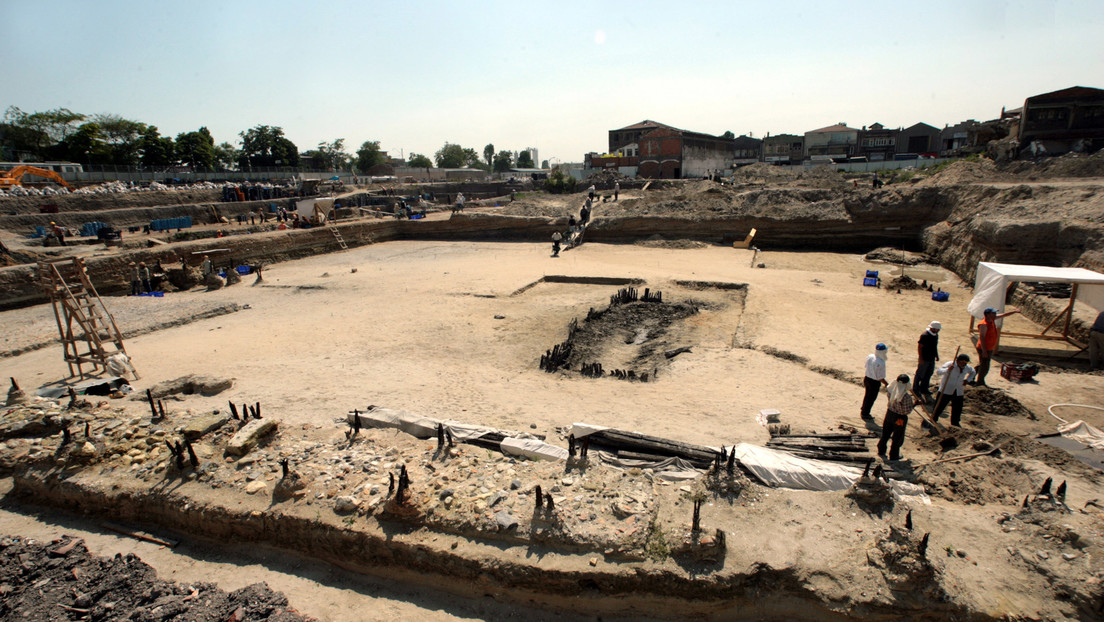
(781, 469)
(418, 426)
(532, 448)
(1083, 433)
(992, 280)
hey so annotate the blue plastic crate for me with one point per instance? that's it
(870, 282)
(871, 274)
(941, 296)
(242, 270)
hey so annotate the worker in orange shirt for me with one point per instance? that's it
(988, 340)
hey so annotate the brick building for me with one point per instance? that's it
(666, 152)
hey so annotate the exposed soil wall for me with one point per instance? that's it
(756, 592)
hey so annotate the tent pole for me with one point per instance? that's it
(1069, 311)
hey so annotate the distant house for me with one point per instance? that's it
(835, 142)
(877, 143)
(747, 150)
(955, 139)
(783, 149)
(626, 140)
(921, 139)
(1061, 121)
(666, 152)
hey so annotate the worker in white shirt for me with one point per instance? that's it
(954, 376)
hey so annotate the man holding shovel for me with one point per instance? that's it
(955, 375)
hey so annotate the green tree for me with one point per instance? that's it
(558, 182)
(471, 159)
(227, 156)
(122, 137)
(488, 154)
(450, 156)
(328, 156)
(267, 146)
(525, 160)
(728, 134)
(37, 132)
(503, 161)
(85, 145)
(196, 149)
(418, 160)
(544, 164)
(370, 155)
(155, 150)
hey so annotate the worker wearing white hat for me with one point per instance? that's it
(874, 378)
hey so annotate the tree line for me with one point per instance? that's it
(107, 139)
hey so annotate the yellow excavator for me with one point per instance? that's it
(14, 177)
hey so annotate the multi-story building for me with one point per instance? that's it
(835, 142)
(746, 150)
(877, 143)
(783, 149)
(667, 152)
(1061, 121)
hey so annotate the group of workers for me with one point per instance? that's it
(954, 376)
(574, 229)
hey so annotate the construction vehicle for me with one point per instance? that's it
(14, 177)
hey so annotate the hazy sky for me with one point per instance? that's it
(555, 76)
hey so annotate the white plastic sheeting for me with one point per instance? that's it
(992, 281)
(784, 470)
(1083, 433)
(418, 426)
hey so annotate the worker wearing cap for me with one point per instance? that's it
(59, 233)
(896, 418)
(988, 340)
(927, 353)
(874, 378)
(955, 374)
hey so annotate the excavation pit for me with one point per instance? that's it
(639, 333)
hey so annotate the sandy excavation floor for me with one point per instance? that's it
(441, 329)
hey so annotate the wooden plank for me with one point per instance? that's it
(633, 441)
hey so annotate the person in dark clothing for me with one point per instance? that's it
(927, 351)
(896, 418)
(584, 216)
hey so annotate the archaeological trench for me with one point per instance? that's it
(571, 533)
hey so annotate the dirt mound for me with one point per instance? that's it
(903, 282)
(896, 256)
(824, 177)
(62, 580)
(657, 241)
(606, 178)
(979, 481)
(761, 172)
(1068, 165)
(984, 401)
(966, 172)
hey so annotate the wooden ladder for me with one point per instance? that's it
(88, 331)
(337, 235)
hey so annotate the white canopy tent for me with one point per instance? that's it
(314, 210)
(993, 280)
